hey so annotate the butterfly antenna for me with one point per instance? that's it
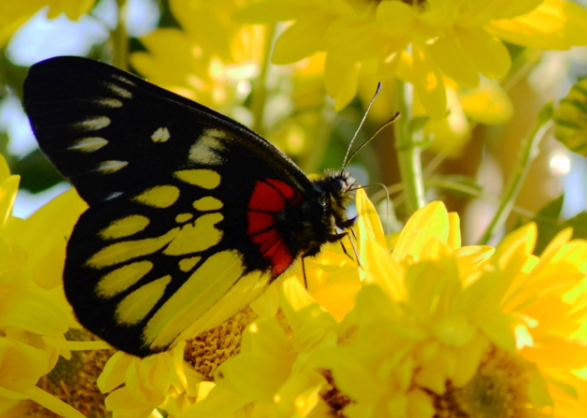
(346, 157)
(382, 127)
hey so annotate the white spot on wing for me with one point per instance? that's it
(114, 195)
(120, 91)
(124, 80)
(207, 147)
(111, 166)
(109, 102)
(161, 135)
(93, 124)
(89, 144)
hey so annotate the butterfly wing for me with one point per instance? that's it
(185, 224)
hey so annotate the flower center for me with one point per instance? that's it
(210, 349)
(74, 381)
(499, 389)
(334, 397)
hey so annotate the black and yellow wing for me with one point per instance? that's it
(186, 221)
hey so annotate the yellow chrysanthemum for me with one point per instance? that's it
(13, 14)
(436, 330)
(34, 315)
(452, 331)
(195, 61)
(419, 42)
(38, 373)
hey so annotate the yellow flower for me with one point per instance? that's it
(35, 362)
(445, 330)
(437, 329)
(419, 42)
(14, 14)
(198, 63)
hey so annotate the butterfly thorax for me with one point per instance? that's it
(325, 217)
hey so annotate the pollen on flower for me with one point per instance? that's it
(499, 389)
(74, 381)
(334, 397)
(210, 349)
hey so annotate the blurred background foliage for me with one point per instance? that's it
(196, 49)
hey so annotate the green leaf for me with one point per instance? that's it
(549, 224)
(570, 119)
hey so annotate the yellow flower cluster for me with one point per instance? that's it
(436, 329)
(420, 42)
(34, 315)
(205, 60)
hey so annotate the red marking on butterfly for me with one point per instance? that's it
(269, 198)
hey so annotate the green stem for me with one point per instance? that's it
(120, 41)
(259, 98)
(527, 153)
(408, 153)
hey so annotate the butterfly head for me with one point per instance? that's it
(326, 221)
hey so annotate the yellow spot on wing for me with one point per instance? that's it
(203, 289)
(207, 203)
(134, 307)
(122, 278)
(186, 264)
(244, 291)
(197, 236)
(183, 217)
(125, 227)
(121, 252)
(159, 196)
(201, 177)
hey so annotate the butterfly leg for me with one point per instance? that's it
(304, 273)
(352, 239)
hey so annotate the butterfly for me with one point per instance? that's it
(191, 214)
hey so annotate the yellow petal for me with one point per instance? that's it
(556, 24)
(488, 104)
(270, 11)
(453, 61)
(302, 39)
(428, 83)
(74, 9)
(510, 9)
(420, 404)
(342, 80)
(52, 403)
(454, 238)
(8, 190)
(368, 222)
(428, 223)
(53, 222)
(395, 18)
(4, 169)
(558, 353)
(484, 51)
